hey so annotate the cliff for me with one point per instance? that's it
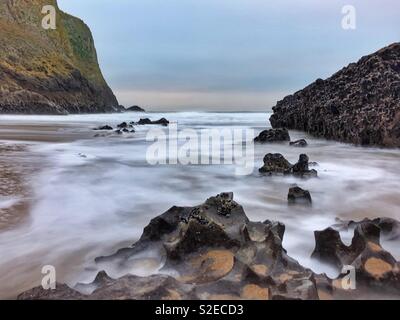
(359, 104)
(48, 71)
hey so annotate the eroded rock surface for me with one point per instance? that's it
(275, 163)
(359, 104)
(212, 251)
(375, 267)
(215, 252)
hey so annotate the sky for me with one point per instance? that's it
(227, 54)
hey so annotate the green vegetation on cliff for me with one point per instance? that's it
(48, 71)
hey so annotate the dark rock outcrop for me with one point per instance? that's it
(301, 168)
(49, 71)
(105, 127)
(359, 104)
(146, 121)
(215, 252)
(298, 195)
(124, 125)
(135, 109)
(390, 228)
(374, 267)
(299, 143)
(273, 135)
(277, 164)
(129, 287)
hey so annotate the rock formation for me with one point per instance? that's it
(359, 104)
(48, 71)
(276, 164)
(273, 135)
(145, 121)
(215, 252)
(299, 143)
(135, 109)
(375, 267)
(298, 195)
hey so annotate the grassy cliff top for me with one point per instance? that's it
(29, 49)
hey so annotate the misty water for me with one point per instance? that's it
(91, 196)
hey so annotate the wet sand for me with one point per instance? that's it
(43, 133)
(18, 163)
(14, 191)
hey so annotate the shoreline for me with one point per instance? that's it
(105, 154)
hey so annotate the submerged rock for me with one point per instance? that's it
(122, 125)
(106, 127)
(273, 135)
(298, 195)
(277, 164)
(146, 121)
(301, 168)
(299, 143)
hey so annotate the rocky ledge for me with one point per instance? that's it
(213, 251)
(359, 104)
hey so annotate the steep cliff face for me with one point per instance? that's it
(359, 104)
(48, 71)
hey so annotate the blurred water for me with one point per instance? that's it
(93, 196)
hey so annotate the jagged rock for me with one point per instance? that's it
(122, 125)
(375, 268)
(299, 143)
(359, 104)
(145, 121)
(301, 168)
(273, 135)
(215, 252)
(157, 287)
(297, 195)
(390, 228)
(106, 127)
(277, 164)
